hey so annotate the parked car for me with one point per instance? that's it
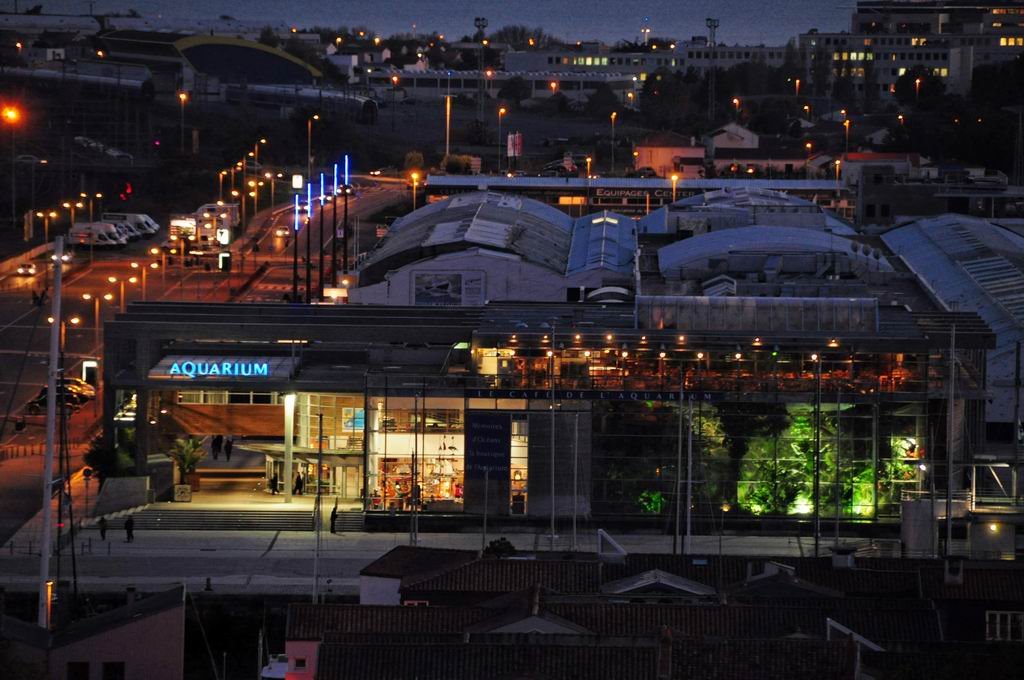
(26, 269)
(80, 386)
(68, 403)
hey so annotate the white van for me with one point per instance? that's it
(96, 234)
(142, 223)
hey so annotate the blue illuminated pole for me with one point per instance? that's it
(309, 217)
(334, 227)
(320, 251)
(295, 254)
(344, 227)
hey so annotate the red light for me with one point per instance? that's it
(60, 525)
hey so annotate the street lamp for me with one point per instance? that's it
(220, 184)
(614, 115)
(900, 119)
(12, 116)
(554, 86)
(46, 216)
(807, 165)
(121, 300)
(182, 98)
(589, 160)
(797, 85)
(846, 126)
(501, 114)
(917, 90)
(675, 180)
(394, 96)
(415, 180)
(309, 144)
(837, 164)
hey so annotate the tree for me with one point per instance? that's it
(931, 88)
(268, 37)
(514, 91)
(998, 85)
(603, 101)
(523, 37)
(665, 100)
(413, 160)
(187, 454)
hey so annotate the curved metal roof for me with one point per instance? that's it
(527, 228)
(697, 251)
(604, 240)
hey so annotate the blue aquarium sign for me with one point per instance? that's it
(246, 369)
(192, 367)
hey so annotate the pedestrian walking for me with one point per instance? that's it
(102, 525)
(334, 516)
(129, 529)
(216, 444)
(297, 489)
(228, 445)
(273, 485)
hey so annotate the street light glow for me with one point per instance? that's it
(11, 114)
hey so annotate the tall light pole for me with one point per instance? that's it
(415, 180)
(309, 225)
(837, 164)
(220, 184)
(501, 114)
(296, 188)
(309, 144)
(807, 163)
(846, 127)
(46, 216)
(182, 99)
(320, 250)
(394, 100)
(344, 230)
(448, 120)
(917, 90)
(11, 117)
(614, 115)
(675, 181)
(95, 299)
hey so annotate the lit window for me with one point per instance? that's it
(1002, 41)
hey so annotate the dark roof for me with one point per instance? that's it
(404, 560)
(86, 628)
(310, 621)
(979, 583)
(144, 36)
(870, 577)
(946, 661)
(762, 659)
(667, 138)
(506, 576)
(750, 622)
(488, 661)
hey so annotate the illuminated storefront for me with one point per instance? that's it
(575, 409)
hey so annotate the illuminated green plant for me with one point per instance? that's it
(651, 502)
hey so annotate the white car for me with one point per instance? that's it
(26, 269)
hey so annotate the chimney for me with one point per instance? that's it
(953, 572)
(665, 653)
(842, 557)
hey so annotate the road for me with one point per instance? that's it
(24, 329)
(277, 247)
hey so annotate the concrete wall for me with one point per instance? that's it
(378, 590)
(301, 649)
(122, 493)
(505, 277)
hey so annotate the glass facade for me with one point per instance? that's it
(415, 448)
(765, 422)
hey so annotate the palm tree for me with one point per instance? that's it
(187, 454)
